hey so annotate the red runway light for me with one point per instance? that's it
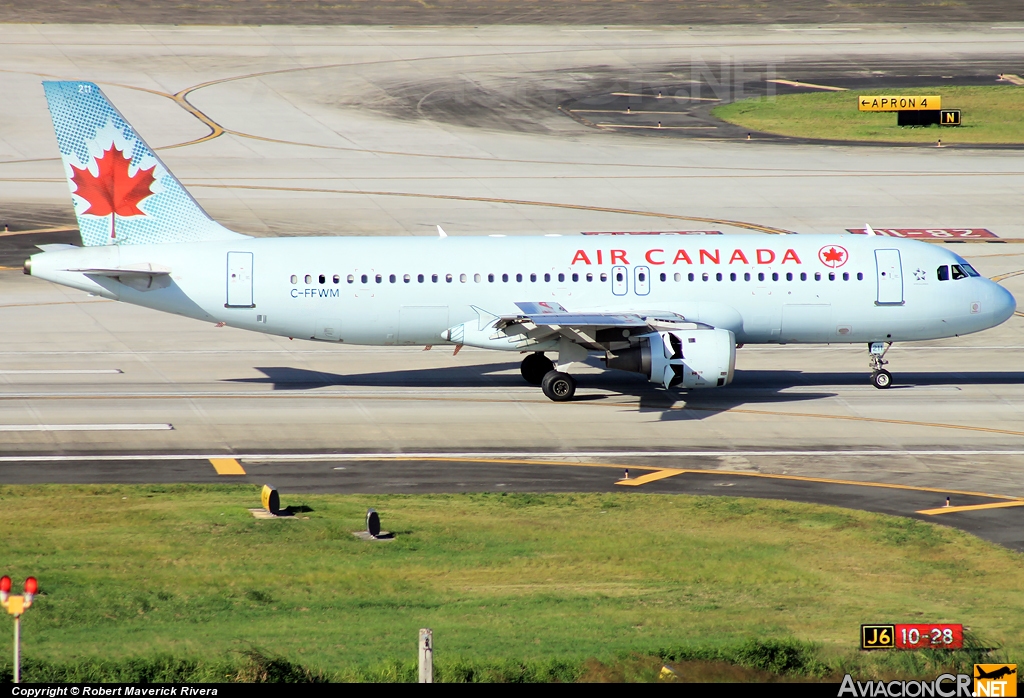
(31, 585)
(5, 583)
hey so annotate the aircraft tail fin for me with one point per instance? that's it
(123, 194)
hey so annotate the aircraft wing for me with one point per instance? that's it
(142, 269)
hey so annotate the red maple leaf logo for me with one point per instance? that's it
(832, 256)
(114, 191)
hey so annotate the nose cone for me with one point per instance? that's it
(1003, 304)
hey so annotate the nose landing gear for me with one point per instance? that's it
(880, 378)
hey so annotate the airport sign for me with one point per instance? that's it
(897, 103)
(912, 636)
(949, 117)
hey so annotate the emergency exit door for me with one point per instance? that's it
(890, 277)
(239, 280)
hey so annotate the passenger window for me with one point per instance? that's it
(336, 279)
(943, 272)
(958, 272)
(448, 278)
(732, 276)
(590, 277)
(533, 278)
(547, 277)
(789, 276)
(351, 278)
(642, 277)
(392, 278)
(663, 276)
(817, 276)
(803, 276)
(618, 276)
(364, 279)
(604, 277)
(760, 276)
(309, 279)
(746, 276)
(406, 278)
(705, 276)
(419, 278)
(477, 278)
(433, 278)
(690, 276)
(677, 276)
(860, 276)
(831, 276)
(322, 279)
(775, 276)
(462, 278)
(519, 278)
(846, 276)
(561, 278)
(490, 278)
(295, 279)
(379, 279)
(504, 277)
(718, 276)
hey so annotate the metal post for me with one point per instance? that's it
(426, 655)
(17, 649)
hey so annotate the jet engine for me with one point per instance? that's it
(700, 358)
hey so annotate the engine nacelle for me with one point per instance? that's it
(700, 358)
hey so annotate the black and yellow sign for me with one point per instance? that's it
(995, 680)
(877, 637)
(897, 103)
(949, 117)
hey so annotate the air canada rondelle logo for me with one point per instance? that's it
(833, 256)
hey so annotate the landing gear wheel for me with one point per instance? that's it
(881, 379)
(558, 386)
(535, 367)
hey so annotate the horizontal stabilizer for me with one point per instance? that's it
(141, 269)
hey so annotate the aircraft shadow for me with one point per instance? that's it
(748, 388)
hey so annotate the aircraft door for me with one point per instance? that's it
(239, 280)
(890, 277)
(641, 280)
(620, 282)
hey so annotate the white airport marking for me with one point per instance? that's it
(85, 427)
(59, 371)
(488, 455)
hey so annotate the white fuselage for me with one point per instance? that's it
(409, 290)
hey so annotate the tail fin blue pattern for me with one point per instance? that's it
(123, 194)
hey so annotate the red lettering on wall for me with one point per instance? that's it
(791, 256)
(681, 256)
(652, 261)
(765, 256)
(581, 256)
(619, 256)
(738, 256)
(712, 257)
(599, 257)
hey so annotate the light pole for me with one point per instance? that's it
(16, 605)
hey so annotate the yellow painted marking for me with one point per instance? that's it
(1015, 79)
(1018, 313)
(729, 473)
(794, 83)
(227, 466)
(650, 477)
(1008, 275)
(973, 507)
(59, 229)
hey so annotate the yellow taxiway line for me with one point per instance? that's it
(650, 477)
(973, 507)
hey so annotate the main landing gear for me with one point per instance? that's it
(880, 378)
(535, 366)
(538, 369)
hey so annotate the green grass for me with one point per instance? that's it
(990, 115)
(535, 584)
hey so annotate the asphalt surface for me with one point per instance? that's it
(475, 12)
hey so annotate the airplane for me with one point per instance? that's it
(671, 307)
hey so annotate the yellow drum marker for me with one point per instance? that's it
(650, 477)
(227, 466)
(973, 507)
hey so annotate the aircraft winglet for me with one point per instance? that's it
(441, 233)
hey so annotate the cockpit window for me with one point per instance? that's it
(943, 273)
(958, 272)
(970, 270)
